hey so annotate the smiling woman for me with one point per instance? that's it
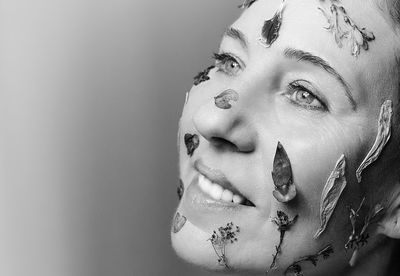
(303, 101)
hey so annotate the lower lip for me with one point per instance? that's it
(206, 212)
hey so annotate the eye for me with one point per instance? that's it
(300, 94)
(227, 64)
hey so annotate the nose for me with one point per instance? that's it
(228, 129)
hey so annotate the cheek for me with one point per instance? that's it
(314, 150)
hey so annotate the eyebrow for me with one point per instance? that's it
(315, 60)
(236, 34)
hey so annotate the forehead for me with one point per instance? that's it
(303, 27)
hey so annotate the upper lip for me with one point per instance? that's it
(217, 176)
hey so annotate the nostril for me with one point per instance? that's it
(223, 144)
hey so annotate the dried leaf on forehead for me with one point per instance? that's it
(192, 141)
(271, 27)
(180, 190)
(246, 4)
(178, 223)
(225, 99)
(331, 193)
(202, 76)
(383, 136)
(343, 27)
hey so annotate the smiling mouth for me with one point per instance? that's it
(215, 184)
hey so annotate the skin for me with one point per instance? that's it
(241, 142)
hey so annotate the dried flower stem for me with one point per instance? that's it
(284, 224)
(296, 268)
(356, 241)
(220, 238)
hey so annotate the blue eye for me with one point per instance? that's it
(302, 96)
(227, 64)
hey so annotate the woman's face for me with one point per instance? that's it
(318, 108)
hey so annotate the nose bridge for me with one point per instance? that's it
(223, 118)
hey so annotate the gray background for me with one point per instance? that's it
(90, 95)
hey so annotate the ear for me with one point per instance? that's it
(390, 223)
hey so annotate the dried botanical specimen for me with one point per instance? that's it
(296, 268)
(246, 4)
(192, 141)
(285, 190)
(271, 27)
(383, 136)
(225, 99)
(178, 223)
(356, 241)
(343, 27)
(186, 97)
(180, 190)
(331, 193)
(220, 238)
(284, 224)
(202, 76)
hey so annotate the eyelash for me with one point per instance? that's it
(222, 61)
(295, 87)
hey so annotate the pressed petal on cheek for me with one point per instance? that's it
(178, 223)
(180, 190)
(285, 190)
(331, 193)
(192, 141)
(226, 98)
(383, 136)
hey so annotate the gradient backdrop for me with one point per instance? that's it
(90, 96)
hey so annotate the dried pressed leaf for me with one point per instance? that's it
(383, 136)
(180, 190)
(282, 169)
(186, 97)
(331, 193)
(202, 76)
(179, 222)
(224, 99)
(192, 141)
(271, 27)
(343, 27)
(285, 195)
(246, 4)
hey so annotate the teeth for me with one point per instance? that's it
(238, 199)
(217, 192)
(227, 196)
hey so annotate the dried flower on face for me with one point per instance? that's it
(285, 190)
(226, 98)
(284, 224)
(383, 136)
(221, 238)
(178, 223)
(246, 4)
(331, 193)
(343, 27)
(202, 76)
(271, 27)
(358, 240)
(192, 141)
(180, 190)
(296, 268)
